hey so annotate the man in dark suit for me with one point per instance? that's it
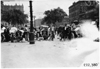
(65, 31)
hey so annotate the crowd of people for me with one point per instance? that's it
(68, 32)
(19, 33)
(41, 33)
(12, 33)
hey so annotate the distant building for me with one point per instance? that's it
(37, 23)
(74, 11)
(64, 21)
(12, 7)
(82, 9)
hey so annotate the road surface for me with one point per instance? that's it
(48, 54)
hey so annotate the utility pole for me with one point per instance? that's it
(31, 34)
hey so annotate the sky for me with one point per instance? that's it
(40, 6)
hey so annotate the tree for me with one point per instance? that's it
(14, 16)
(53, 16)
(5, 16)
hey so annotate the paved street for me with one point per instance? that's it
(46, 54)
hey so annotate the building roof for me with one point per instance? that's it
(10, 7)
(74, 3)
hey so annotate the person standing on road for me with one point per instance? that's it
(73, 30)
(69, 32)
(65, 31)
(26, 33)
(52, 31)
(2, 33)
(7, 34)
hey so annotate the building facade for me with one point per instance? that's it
(37, 23)
(64, 21)
(82, 10)
(12, 7)
(74, 11)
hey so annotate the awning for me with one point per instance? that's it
(44, 26)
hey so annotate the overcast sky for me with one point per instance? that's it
(39, 6)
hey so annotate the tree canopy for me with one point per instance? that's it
(14, 16)
(54, 15)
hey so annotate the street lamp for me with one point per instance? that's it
(31, 33)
